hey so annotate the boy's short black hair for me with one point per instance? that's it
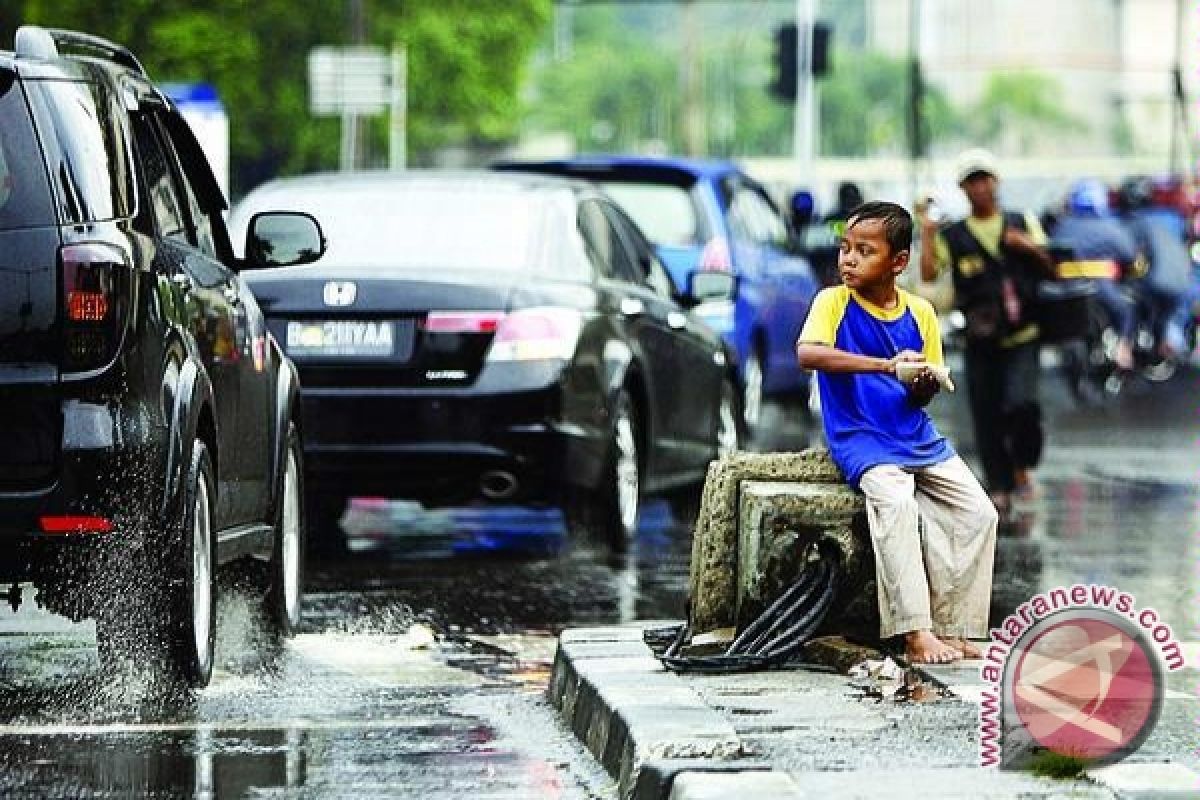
(897, 222)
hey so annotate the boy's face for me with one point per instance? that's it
(866, 261)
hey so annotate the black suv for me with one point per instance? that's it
(147, 416)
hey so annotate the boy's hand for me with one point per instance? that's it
(922, 388)
(903, 355)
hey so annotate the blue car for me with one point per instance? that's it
(710, 216)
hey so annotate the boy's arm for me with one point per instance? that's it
(826, 358)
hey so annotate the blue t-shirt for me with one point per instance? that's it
(869, 419)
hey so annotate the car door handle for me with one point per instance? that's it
(676, 321)
(632, 307)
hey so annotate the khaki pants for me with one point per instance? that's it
(936, 576)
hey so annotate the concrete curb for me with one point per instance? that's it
(629, 711)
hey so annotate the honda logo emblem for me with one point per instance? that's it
(340, 293)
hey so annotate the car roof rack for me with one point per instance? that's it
(38, 42)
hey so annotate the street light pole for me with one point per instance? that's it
(804, 121)
(916, 99)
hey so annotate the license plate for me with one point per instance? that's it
(341, 338)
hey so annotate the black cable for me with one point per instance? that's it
(767, 617)
(788, 643)
(799, 611)
(800, 601)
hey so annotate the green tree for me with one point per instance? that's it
(1017, 108)
(864, 108)
(466, 62)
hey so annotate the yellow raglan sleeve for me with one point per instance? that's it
(931, 330)
(820, 327)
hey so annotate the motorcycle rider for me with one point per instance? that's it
(1158, 233)
(1093, 234)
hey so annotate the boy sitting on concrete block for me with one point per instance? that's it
(877, 350)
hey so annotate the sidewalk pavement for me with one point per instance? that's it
(803, 732)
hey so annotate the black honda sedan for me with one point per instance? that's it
(504, 337)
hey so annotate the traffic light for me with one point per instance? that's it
(785, 81)
(784, 85)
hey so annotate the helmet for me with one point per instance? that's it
(1088, 196)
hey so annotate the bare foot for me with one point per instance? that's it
(922, 647)
(966, 647)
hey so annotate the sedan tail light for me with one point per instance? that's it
(95, 279)
(537, 334)
(462, 321)
(715, 257)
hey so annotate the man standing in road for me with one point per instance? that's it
(997, 258)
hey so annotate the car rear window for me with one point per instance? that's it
(665, 213)
(86, 151)
(24, 190)
(429, 226)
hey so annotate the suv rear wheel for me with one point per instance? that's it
(285, 583)
(176, 625)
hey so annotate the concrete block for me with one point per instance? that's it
(735, 786)
(607, 633)
(714, 543)
(779, 525)
(758, 514)
(1137, 780)
(615, 649)
(655, 779)
(943, 783)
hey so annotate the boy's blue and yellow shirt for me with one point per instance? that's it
(869, 419)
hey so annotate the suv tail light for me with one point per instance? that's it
(536, 334)
(715, 257)
(95, 279)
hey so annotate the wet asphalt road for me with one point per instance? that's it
(423, 677)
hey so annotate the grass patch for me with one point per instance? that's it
(1050, 764)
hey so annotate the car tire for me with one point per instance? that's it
(730, 422)
(285, 582)
(614, 506)
(174, 627)
(752, 393)
(191, 598)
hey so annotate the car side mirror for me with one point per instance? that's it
(707, 285)
(283, 239)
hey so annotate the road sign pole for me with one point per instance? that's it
(398, 140)
(349, 134)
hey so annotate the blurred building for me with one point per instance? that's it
(1113, 60)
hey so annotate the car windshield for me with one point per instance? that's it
(426, 225)
(665, 213)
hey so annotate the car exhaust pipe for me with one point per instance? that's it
(498, 484)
